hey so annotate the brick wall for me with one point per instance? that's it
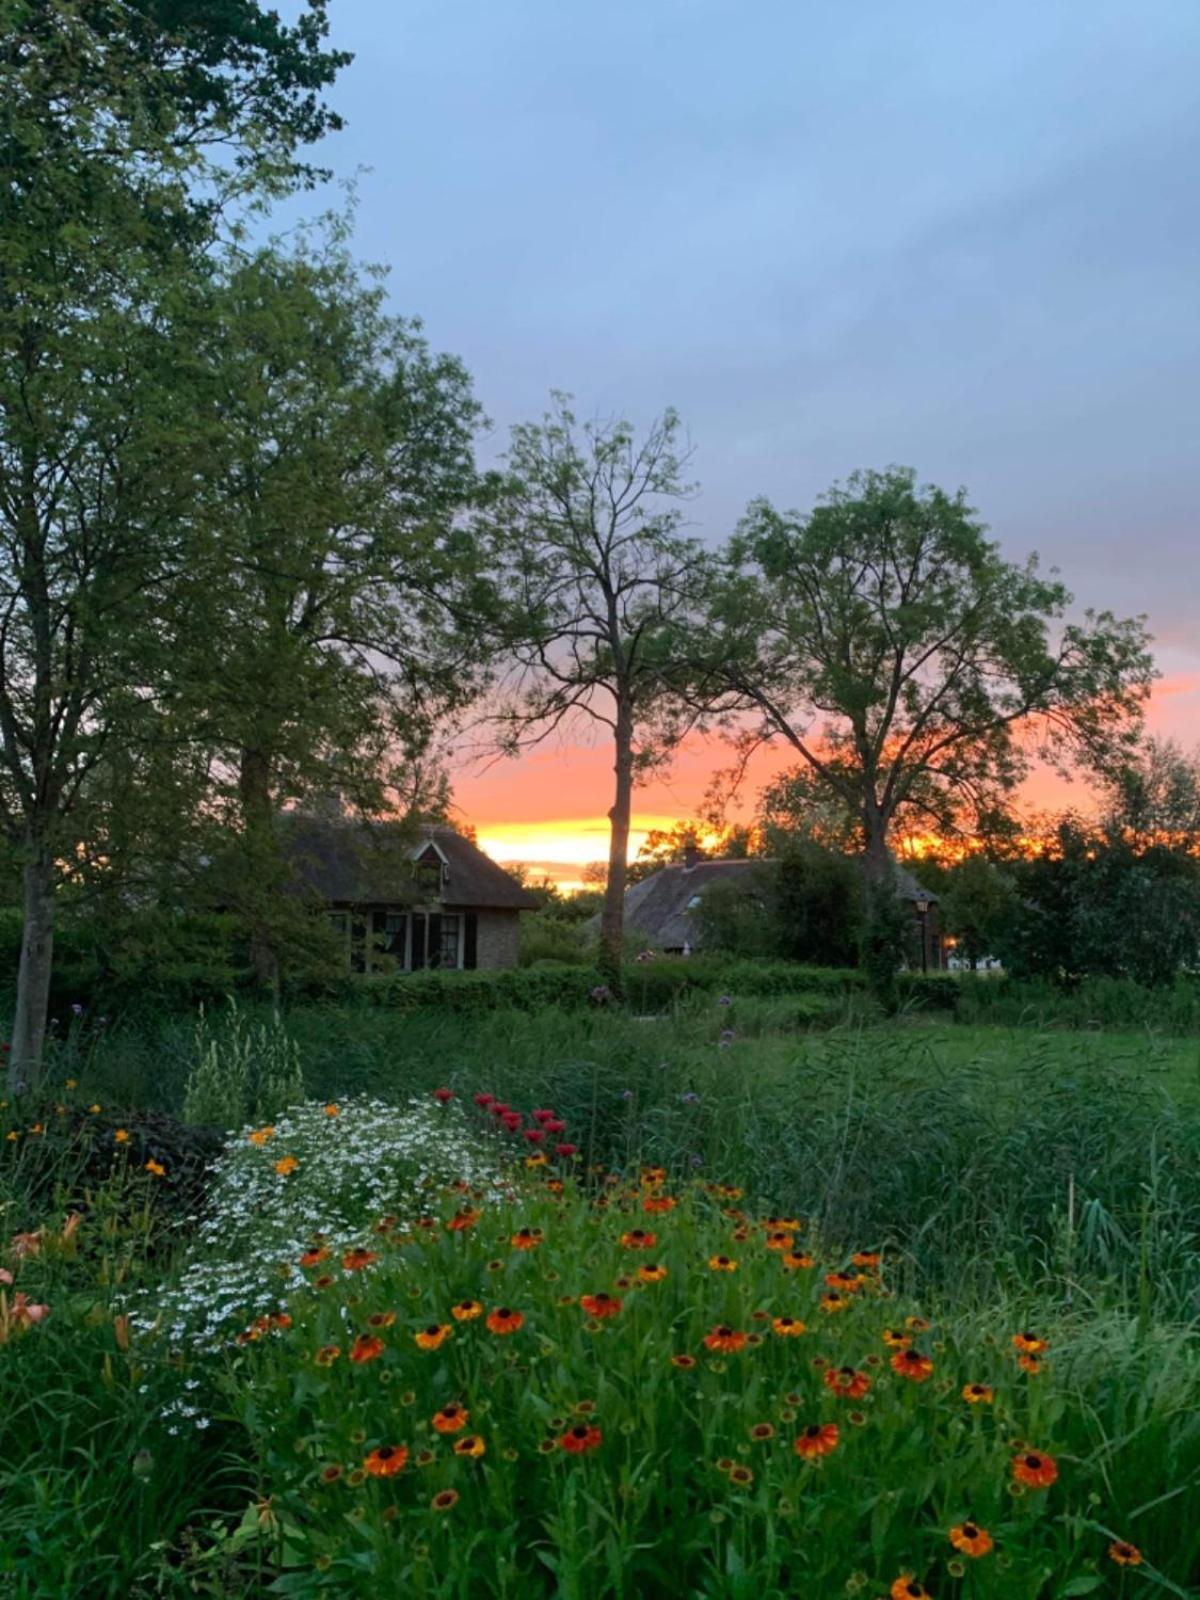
(497, 939)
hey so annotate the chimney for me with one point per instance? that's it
(692, 855)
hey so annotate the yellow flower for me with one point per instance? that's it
(72, 1083)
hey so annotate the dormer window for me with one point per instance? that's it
(431, 872)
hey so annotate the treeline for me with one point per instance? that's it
(248, 560)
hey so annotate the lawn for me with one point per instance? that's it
(179, 1404)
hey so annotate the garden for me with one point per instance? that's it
(717, 1300)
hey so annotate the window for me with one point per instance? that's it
(447, 951)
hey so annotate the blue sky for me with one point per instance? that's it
(960, 236)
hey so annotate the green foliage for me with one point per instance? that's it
(883, 941)
(244, 1071)
(889, 642)
(1100, 907)
(549, 936)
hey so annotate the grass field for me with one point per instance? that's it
(1008, 1180)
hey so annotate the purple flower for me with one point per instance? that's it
(691, 1098)
(626, 1094)
(697, 1161)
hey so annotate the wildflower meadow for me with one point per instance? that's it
(648, 1309)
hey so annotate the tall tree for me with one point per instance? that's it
(332, 627)
(599, 582)
(910, 666)
(108, 200)
(1154, 797)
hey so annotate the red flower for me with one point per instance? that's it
(565, 1149)
(484, 1099)
(554, 1125)
(512, 1120)
(577, 1441)
(543, 1114)
(498, 1107)
(535, 1135)
(443, 1096)
(600, 1305)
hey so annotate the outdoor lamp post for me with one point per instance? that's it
(923, 913)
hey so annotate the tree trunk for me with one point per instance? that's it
(258, 821)
(877, 860)
(26, 1065)
(612, 918)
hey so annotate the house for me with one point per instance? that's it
(403, 902)
(662, 908)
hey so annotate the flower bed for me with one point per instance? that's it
(599, 1386)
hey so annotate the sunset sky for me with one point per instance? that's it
(959, 237)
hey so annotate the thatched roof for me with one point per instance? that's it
(661, 907)
(347, 862)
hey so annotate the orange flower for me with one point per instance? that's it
(386, 1460)
(724, 1338)
(917, 1324)
(580, 1439)
(780, 1241)
(798, 1262)
(451, 1419)
(1034, 1469)
(314, 1257)
(503, 1321)
(381, 1319)
(848, 1383)
(978, 1394)
(464, 1219)
(469, 1445)
(895, 1339)
(912, 1364)
(121, 1136)
(1030, 1364)
(1029, 1344)
(366, 1348)
(260, 1136)
(761, 1431)
(818, 1439)
(788, 1327)
(331, 1110)
(722, 1264)
(832, 1302)
(445, 1500)
(526, 1239)
(1125, 1555)
(639, 1239)
(654, 1274)
(846, 1282)
(866, 1258)
(327, 1355)
(972, 1540)
(683, 1361)
(156, 1168)
(658, 1202)
(906, 1587)
(466, 1310)
(355, 1260)
(600, 1305)
(286, 1165)
(434, 1336)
